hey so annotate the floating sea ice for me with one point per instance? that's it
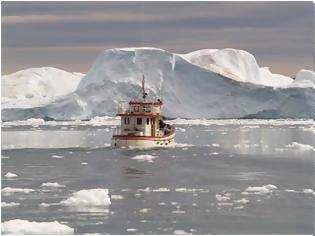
(31, 227)
(10, 175)
(145, 210)
(215, 145)
(9, 190)
(44, 205)
(84, 163)
(88, 197)
(300, 146)
(179, 232)
(242, 201)
(308, 190)
(213, 153)
(290, 191)
(9, 204)
(161, 190)
(56, 156)
(145, 157)
(116, 197)
(131, 230)
(259, 190)
(222, 198)
(53, 185)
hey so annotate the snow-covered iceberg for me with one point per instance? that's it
(210, 83)
(36, 87)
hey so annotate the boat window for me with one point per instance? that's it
(128, 120)
(139, 121)
(148, 121)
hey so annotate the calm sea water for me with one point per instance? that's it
(200, 187)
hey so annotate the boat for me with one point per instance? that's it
(142, 124)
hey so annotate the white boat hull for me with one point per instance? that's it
(143, 141)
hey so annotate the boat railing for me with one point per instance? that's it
(117, 130)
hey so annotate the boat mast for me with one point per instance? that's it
(144, 94)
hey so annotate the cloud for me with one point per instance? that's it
(273, 31)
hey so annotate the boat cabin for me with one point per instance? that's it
(141, 119)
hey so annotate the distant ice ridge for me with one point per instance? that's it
(18, 226)
(210, 83)
(36, 87)
(113, 121)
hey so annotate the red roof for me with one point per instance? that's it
(146, 103)
(138, 114)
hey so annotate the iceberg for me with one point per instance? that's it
(209, 83)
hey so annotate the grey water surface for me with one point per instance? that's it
(197, 187)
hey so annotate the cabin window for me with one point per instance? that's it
(139, 121)
(148, 121)
(127, 120)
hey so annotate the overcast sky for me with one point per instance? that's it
(70, 35)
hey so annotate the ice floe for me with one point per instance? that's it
(9, 204)
(10, 175)
(116, 197)
(300, 146)
(222, 198)
(241, 201)
(179, 232)
(308, 190)
(88, 197)
(291, 191)
(261, 190)
(238, 207)
(18, 226)
(9, 190)
(145, 157)
(145, 210)
(53, 185)
(57, 156)
(44, 205)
